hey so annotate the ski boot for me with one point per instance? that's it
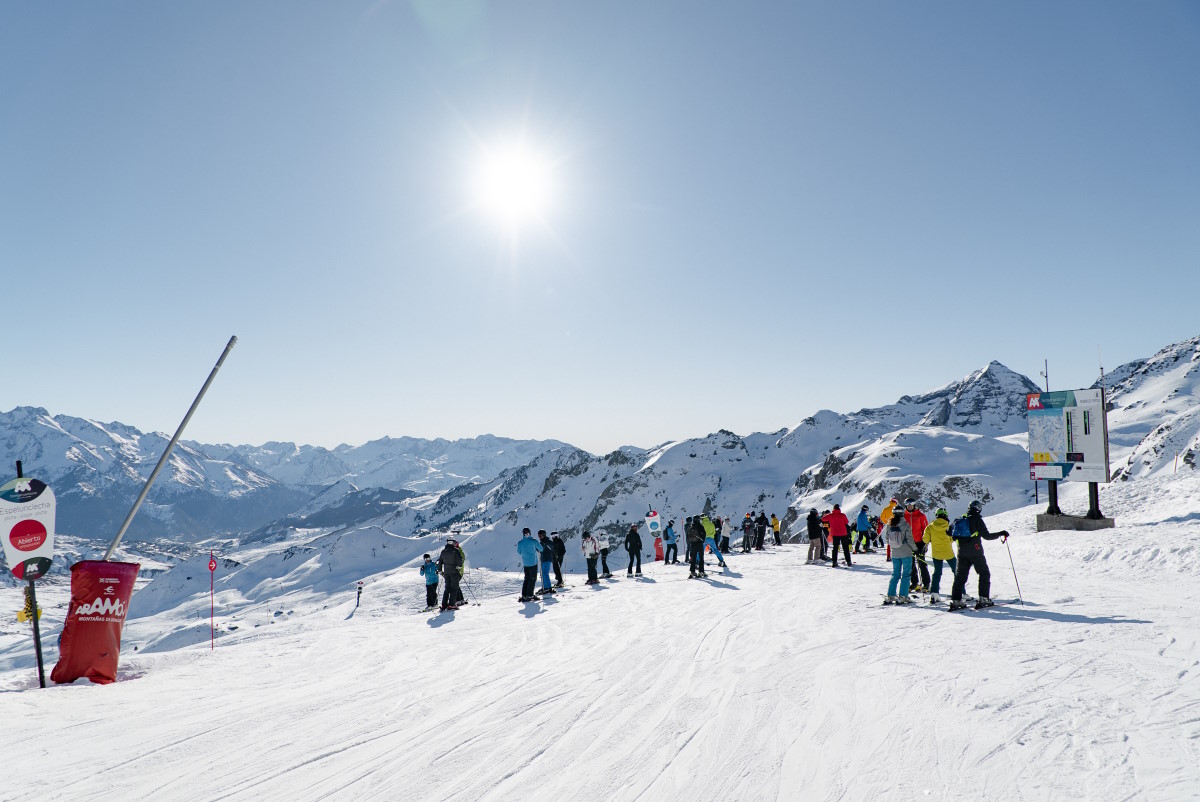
(984, 602)
(934, 598)
(957, 605)
(889, 599)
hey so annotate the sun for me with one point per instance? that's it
(513, 184)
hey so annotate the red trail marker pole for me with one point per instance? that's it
(212, 575)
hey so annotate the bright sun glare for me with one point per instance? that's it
(513, 184)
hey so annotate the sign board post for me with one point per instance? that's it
(654, 525)
(1068, 441)
(212, 578)
(27, 526)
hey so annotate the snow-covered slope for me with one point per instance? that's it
(1154, 412)
(773, 681)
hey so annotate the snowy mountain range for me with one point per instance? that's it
(97, 470)
(960, 441)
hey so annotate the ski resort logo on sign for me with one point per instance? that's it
(22, 491)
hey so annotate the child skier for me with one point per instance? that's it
(430, 572)
(970, 535)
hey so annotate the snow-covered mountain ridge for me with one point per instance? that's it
(97, 469)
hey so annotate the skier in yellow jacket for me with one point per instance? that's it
(941, 545)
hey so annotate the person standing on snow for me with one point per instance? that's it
(839, 533)
(671, 555)
(760, 531)
(430, 572)
(862, 526)
(815, 535)
(451, 563)
(970, 539)
(917, 522)
(633, 545)
(591, 553)
(775, 529)
(602, 542)
(710, 539)
(722, 536)
(888, 512)
(747, 533)
(900, 545)
(695, 536)
(941, 550)
(547, 561)
(529, 550)
(560, 556)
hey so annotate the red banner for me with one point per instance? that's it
(91, 637)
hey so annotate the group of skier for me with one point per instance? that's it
(911, 540)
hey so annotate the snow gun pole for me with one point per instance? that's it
(166, 454)
(1014, 567)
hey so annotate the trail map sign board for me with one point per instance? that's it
(1068, 436)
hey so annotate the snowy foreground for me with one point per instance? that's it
(775, 680)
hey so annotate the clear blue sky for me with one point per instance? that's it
(760, 209)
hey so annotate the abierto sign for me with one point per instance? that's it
(1068, 436)
(27, 527)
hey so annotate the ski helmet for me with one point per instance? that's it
(974, 507)
(865, 508)
(426, 556)
(941, 513)
(813, 511)
(910, 502)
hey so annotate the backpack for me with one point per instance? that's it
(961, 527)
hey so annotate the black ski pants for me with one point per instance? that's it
(696, 563)
(452, 594)
(844, 542)
(672, 552)
(760, 537)
(604, 561)
(531, 572)
(724, 544)
(431, 595)
(920, 561)
(558, 572)
(591, 563)
(635, 556)
(970, 555)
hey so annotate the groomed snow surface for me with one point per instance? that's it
(774, 680)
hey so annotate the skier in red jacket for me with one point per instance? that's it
(917, 520)
(839, 533)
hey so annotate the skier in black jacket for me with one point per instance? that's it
(747, 534)
(633, 545)
(815, 536)
(560, 554)
(451, 562)
(695, 536)
(970, 554)
(760, 531)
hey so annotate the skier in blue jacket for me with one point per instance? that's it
(862, 526)
(529, 550)
(671, 555)
(430, 572)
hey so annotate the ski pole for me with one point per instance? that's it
(1014, 570)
